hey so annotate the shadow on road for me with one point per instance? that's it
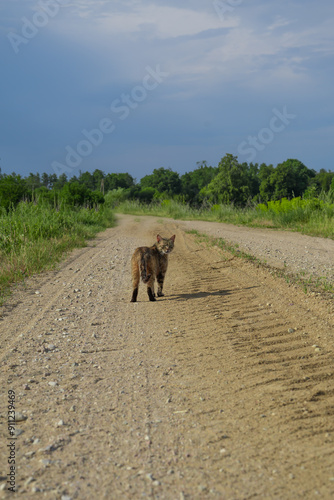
(198, 295)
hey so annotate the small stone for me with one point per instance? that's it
(291, 330)
(19, 417)
(60, 423)
(53, 384)
(45, 461)
(29, 480)
(66, 497)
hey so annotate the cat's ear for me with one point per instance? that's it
(158, 238)
(173, 237)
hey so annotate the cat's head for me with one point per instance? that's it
(165, 245)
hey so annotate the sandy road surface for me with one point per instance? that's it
(221, 389)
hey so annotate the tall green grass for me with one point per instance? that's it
(310, 216)
(314, 217)
(34, 237)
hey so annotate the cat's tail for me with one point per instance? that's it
(143, 269)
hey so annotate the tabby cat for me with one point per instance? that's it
(151, 263)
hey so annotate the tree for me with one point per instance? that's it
(254, 181)
(98, 176)
(87, 179)
(53, 179)
(290, 179)
(323, 180)
(147, 194)
(193, 182)
(96, 198)
(266, 187)
(45, 179)
(33, 181)
(231, 184)
(74, 193)
(60, 182)
(115, 181)
(163, 180)
(12, 190)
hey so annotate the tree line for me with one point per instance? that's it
(231, 182)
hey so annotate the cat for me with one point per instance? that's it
(151, 263)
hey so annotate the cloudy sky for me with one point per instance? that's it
(133, 85)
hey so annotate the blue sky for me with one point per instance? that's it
(133, 85)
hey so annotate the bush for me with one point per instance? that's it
(116, 196)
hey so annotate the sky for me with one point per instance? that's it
(134, 85)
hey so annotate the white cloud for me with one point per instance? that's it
(162, 21)
(279, 22)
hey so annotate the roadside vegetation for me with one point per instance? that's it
(314, 216)
(34, 237)
(288, 196)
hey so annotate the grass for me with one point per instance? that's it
(313, 218)
(34, 238)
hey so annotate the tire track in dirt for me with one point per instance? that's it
(214, 391)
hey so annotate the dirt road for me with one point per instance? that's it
(221, 389)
